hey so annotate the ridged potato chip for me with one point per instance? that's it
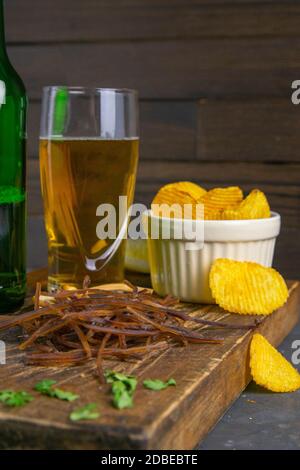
(219, 203)
(212, 214)
(270, 369)
(218, 199)
(254, 206)
(246, 287)
(181, 193)
(176, 192)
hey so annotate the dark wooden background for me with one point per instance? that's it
(214, 78)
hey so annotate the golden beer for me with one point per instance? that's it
(77, 175)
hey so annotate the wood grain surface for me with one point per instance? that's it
(146, 19)
(209, 378)
(189, 69)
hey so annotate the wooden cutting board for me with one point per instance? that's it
(209, 378)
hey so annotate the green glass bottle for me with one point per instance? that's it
(13, 104)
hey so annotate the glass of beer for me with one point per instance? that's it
(89, 149)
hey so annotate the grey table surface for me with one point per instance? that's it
(257, 420)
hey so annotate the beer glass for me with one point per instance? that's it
(89, 150)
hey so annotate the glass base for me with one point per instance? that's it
(54, 286)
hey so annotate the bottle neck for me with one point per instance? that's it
(2, 32)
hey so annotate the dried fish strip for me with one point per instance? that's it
(75, 326)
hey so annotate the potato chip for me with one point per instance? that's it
(181, 193)
(212, 214)
(254, 206)
(246, 287)
(270, 369)
(177, 192)
(218, 199)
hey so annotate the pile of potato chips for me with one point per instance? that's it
(219, 203)
(250, 288)
(239, 286)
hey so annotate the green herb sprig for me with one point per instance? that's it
(86, 412)
(45, 387)
(15, 399)
(123, 388)
(156, 384)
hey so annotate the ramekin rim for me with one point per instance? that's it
(274, 216)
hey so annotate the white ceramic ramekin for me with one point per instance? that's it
(184, 273)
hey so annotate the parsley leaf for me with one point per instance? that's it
(85, 412)
(63, 394)
(11, 398)
(45, 388)
(129, 380)
(123, 388)
(157, 384)
(122, 397)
